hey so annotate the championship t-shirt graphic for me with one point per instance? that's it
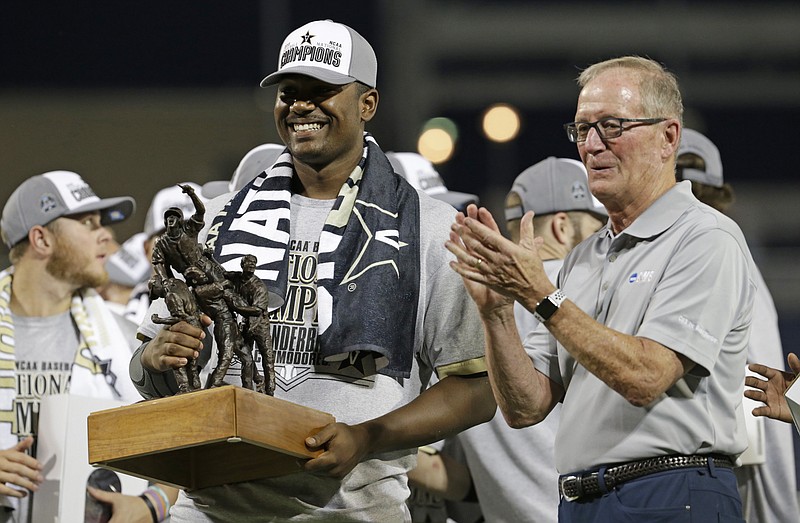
(294, 325)
(294, 328)
(45, 353)
(36, 379)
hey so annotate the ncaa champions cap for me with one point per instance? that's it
(693, 142)
(328, 51)
(554, 185)
(42, 198)
(419, 172)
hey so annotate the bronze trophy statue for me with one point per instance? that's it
(214, 436)
(222, 295)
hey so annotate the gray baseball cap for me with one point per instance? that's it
(129, 265)
(420, 173)
(256, 161)
(692, 142)
(42, 198)
(554, 185)
(327, 51)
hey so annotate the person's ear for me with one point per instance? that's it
(369, 104)
(561, 228)
(672, 135)
(41, 239)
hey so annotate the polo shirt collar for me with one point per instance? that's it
(663, 213)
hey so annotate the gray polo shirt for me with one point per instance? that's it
(680, 275)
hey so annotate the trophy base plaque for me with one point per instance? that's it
(205, 438)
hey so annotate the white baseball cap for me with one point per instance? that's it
(129, 265)
(327, 51)
(172, 196)
(554, 185)
(692, 142)
(256, 161)
(42, 198)
(420, 173)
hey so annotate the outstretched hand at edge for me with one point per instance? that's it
(770, 391)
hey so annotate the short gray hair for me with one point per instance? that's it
(658, 88)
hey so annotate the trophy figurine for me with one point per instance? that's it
(222, 295)
(255, 326)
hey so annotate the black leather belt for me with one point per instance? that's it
(574, 487)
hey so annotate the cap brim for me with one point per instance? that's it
(459, 200)
(699, 176)
(121, 273)
(325, 75)
(112, 210)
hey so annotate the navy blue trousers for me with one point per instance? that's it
(692, 495)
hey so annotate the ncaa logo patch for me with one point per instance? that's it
(47, 203)
(578, 191)
(641, 277)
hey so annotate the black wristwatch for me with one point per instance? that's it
(549, 305)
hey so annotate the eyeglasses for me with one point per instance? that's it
(610, 127)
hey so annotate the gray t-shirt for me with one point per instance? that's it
(448, 330)
(680, 275)
(44, 350)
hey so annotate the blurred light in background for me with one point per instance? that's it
(437, 142)
(501, 123)
(436, 145)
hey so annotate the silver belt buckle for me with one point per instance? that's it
(578, 488)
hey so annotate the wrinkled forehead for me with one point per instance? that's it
(613, 92)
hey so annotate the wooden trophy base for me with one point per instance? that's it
(204, 438)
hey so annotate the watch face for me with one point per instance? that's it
(546, 308)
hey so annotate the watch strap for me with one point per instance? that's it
(549, 305)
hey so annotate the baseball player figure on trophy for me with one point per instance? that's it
(215, 292)
(218, 300)
(255, 326)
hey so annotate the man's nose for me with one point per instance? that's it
(105, 235)
(302, 106)
(593, 140)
